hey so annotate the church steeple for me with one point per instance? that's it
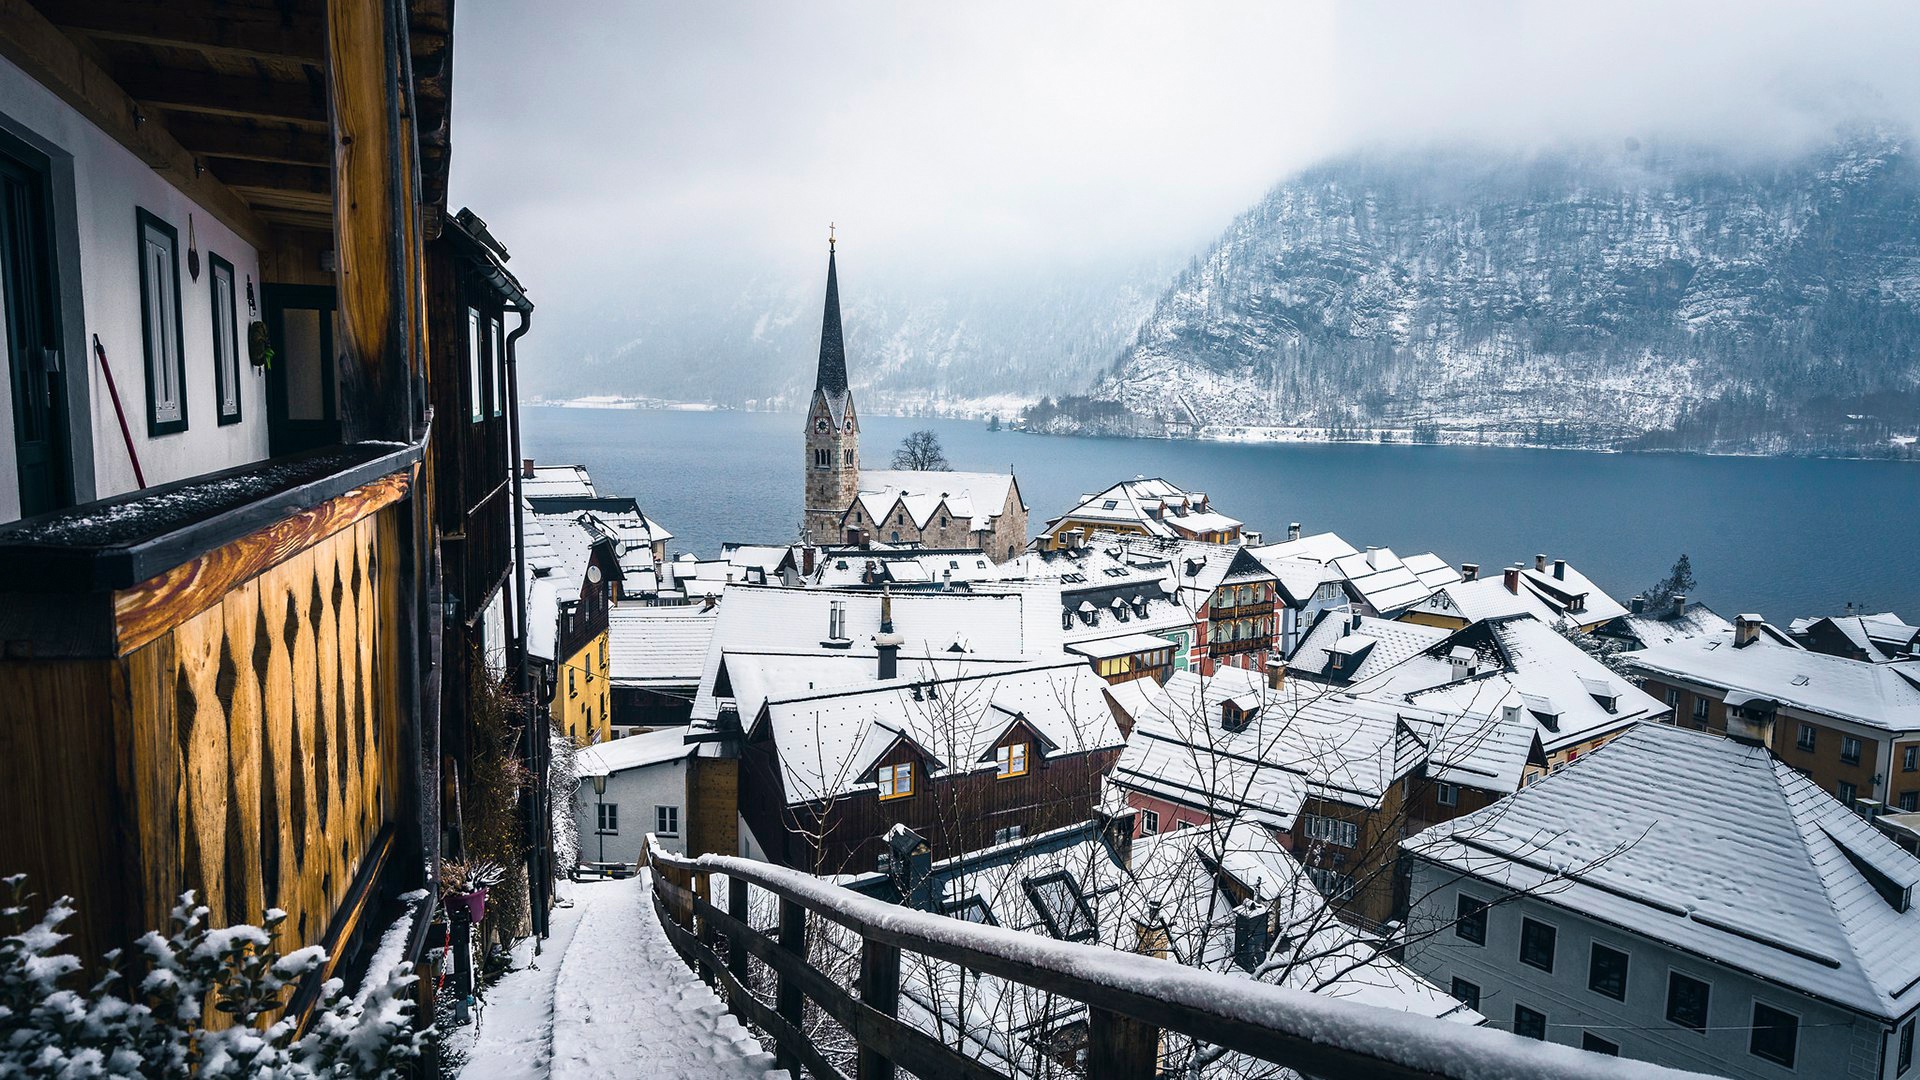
(832, 376)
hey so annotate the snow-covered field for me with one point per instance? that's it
(608, 997)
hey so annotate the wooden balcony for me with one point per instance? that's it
(1128, 1000)
(206, 686)
(1240, 645)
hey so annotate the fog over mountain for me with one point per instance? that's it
(1017, 186)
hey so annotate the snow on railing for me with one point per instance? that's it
(1130, 998)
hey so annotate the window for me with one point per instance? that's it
(1776, 1035)
(1845, 792)
(161, 326)
(896, 781)
(607, 817)
(1673, 698)
(1701, 704)
(1470, 919)
(1687, 999)
(1332, 831)
(1529, 1023)
(1910, 759)
(1466, 993)
(572, 690)
(846, 458)
(1905, 1060)
(972, 909)
(226, 340)
(1333, 884)
(476, 367)
(1010, 760)
(822, 458)
(666, 820)
(1149, 821)
(496, 356)
(1447, 794)
(1596, 1045)
(1008, 834)
(1806, 739)
(1607, 972)
(1058, 901)
(1909, 801)
(1850, 750)
(1536, 944)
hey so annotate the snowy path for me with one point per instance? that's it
(612, 1000)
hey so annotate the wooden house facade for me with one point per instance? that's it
(231, 475)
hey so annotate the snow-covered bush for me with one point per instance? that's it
(563, 783)
(145, 1017)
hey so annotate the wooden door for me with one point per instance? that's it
(302, 384)
(30, 337)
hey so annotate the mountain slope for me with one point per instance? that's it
(1643, 297)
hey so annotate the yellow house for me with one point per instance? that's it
(582, 697)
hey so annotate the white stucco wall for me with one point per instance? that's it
(109, 184)
(637, 792)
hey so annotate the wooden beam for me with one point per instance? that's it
(227, 95)
(266, 198)
(236, 30)
(243, 175)
(53, 60)
(225, 137)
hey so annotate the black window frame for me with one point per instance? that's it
(1808, 738)
(1594, 1044)
(1908, 801)
(1702, 709)
(155, 426)
(1706, 1001)
(221, 372)
(1530, 932)
(1522, 1015)
(1846, 791)
(1763, 1030)
(1470, 918)
(1903, 1059)
(1850, 749)
(1081, 928)
(1910, 758)
(1466, 993)
(1595, 974)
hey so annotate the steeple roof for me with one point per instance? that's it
(832, 378)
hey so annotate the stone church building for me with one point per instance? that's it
(934, 509)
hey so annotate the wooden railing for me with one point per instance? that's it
(1130, 999)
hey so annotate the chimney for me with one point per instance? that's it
(1373, 558)
(1750, 720)
(1354, 623)
(1150, 934)
(1560, 569)
(1276, 674)
(526, 468)
(1463, 661)
(1469, 571)
(1293, 530)
(887, 643)
(910, 864)
(709, 603)
(1116, 832)
(806, 560)
(1510, 713)
(1249, 935)
(1639, 605)
(1679, 608)
(1540, 562)
(946, 579)
(1746, 630)
(1510, 577)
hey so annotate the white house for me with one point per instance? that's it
(628, 788)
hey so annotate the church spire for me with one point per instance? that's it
(833, 351)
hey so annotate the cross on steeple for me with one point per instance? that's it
(829, 237)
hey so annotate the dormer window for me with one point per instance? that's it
(1010, 760)
(896, 781)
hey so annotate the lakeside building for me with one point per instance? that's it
(1878, 638)
(1643, 627)
(1851, 725)
(256, 474)
(573, 580)
(934, 508)
(1723, 915)
(1142, 506)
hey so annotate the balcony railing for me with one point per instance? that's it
(1130, 999)
(1240, 645)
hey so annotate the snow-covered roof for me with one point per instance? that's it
(789, 629)
(978, 497)
(658, 646)
(1485, 598)
(1740, 859)
(1885, 696)
(826, 741)
(633, 752)
(1392, 642)
(1299, 577)
(930, 567)
(1118, 645)
(1150, 504)
(1879, 637)
(1570, 592)
(1317, 547)
(1389, 584)
(1649, 629)
(568, 480)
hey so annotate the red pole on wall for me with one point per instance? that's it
(119, 413)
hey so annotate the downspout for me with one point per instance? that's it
(538, 751)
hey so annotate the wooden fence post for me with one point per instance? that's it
(737, 907)
(701, 887)
(787, 998)
(1120, 1047)
(880, 990)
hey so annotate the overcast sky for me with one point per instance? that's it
(615, 147)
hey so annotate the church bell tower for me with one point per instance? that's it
(833, 430)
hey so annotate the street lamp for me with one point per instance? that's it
(600, 814)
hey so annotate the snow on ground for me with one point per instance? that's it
(609, 998)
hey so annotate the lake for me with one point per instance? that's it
(1781, 536)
